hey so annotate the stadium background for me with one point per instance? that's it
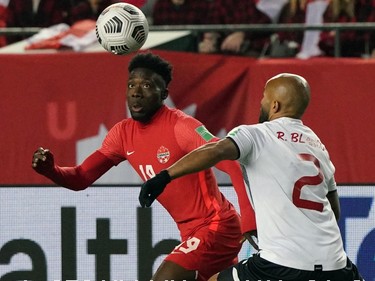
(67, 102)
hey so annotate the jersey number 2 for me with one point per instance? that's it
(307, 180)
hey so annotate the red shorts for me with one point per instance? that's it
(208, 251)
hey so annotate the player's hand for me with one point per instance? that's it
(252, 237)
(43, 161)
(152, 188)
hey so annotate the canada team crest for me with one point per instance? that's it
(163, 154)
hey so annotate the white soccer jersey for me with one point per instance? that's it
(289, 173)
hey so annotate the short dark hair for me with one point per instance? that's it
(154, 63)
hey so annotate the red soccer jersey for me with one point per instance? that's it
(193, 200)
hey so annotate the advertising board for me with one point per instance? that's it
(101, 233)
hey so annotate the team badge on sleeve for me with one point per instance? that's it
(163, 154)
(204, 133)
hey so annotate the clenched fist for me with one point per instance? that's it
(43, 161)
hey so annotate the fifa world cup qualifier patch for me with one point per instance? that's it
(204, 133)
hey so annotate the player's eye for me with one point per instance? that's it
(130, 86)
(146, 86)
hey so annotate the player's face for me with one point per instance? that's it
(264, 109)
(263, 115)
(145, 94)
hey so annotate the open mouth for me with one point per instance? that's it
(136, 108)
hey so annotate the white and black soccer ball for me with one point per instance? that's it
(122, 28)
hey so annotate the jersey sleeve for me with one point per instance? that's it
(112, 146)
(191, 134)
(332, 184)
(249, 141)
(81, 176)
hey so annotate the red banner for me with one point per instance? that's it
(57, 100)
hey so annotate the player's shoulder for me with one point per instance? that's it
(180, 116)
(124, 122)
(177, 113)
(283, 123)
(122, 125)
(253, 128)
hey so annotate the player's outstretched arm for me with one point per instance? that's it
(74, 178)
(203, 158)
(199, 159)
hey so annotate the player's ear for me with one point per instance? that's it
(164, 94)
(275, 106)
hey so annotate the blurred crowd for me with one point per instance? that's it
(46, 13)
(300, 44)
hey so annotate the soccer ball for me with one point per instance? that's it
(122, 28)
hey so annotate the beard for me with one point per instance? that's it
(263, 116)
